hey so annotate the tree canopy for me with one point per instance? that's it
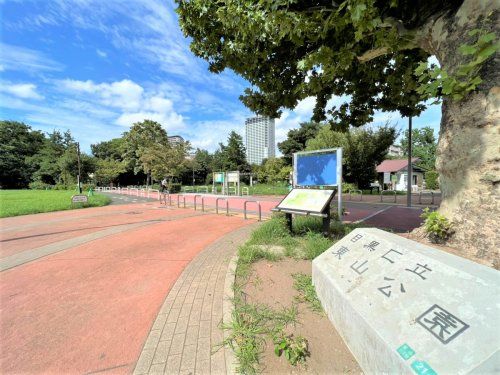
(296, 139)
(424, 147)
(291, 50)
(363, 150)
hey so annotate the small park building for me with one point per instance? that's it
(393, 174)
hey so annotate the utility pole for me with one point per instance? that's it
(409, 169)
(79, 167)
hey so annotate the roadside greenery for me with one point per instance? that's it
(253, 325)
(307, 293)
(24, 202)
(437, 226)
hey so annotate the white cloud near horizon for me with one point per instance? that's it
(21, 90)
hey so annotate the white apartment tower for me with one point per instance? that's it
(259, 139)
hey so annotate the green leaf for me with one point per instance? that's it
(467, 49)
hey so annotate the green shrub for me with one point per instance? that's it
(346, 186)
(431, 180)
(438, 228)
(39, 185)
(295, 349)
(174, 187)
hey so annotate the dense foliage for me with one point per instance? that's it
(363, 150)
(296, 140)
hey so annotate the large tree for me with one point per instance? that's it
(296, 139)
(375, 53)
(17, 144)
(146, 143)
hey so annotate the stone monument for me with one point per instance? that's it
(407, 308)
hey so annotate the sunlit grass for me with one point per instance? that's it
(25, 202)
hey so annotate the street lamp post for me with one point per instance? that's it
(409, 169)
(79, 167)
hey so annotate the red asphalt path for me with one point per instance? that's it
(90, 308)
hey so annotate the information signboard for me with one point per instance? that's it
(219, 177)
(307, 200)
(80, 198)
(233, 177)
(317, 168)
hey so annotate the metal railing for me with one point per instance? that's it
(183, 199)
(163, 197)
(360, 193)
(245, 209)
(231, 189)
(214, 190)
(426, 192)
(388, 191)
(245, 191)
(217, 205)
(196, 196)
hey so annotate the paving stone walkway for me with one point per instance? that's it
(186, 334)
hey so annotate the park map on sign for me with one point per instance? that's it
(306, 200)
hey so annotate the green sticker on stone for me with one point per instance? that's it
(422, 368)
(405, 351)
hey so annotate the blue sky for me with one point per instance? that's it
(97, 66)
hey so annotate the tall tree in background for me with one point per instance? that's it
(375, 53)
(363, 150)
(145, 143)
(231, 157)
(423, 147)
(296, 139)
(17, 144)
(46, 161)
(110, 163)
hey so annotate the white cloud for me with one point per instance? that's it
(130, 99)
(21, 90)
(125, 94)
(101, 53)
(24, 59)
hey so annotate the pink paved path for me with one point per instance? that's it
(90, 308)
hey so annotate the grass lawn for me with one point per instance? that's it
(24, 202)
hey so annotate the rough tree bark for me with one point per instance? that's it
(469, 140)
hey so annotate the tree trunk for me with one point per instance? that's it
(468, 149)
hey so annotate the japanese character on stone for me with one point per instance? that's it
(341, 251)
(442, 324)
(357, 269)
(386, 290)
(357, 237)
(419, 270)
(372, 245)
(388, 258)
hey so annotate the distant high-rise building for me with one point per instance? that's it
(259, 139)
(175, 140)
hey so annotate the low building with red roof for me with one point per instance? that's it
(392, 174)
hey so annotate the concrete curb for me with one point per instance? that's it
(227, 311)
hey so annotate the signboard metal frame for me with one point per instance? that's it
(338, 151)
(306, 212)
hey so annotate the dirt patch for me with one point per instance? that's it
(272, 284)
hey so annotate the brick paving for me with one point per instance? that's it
(186, 334)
